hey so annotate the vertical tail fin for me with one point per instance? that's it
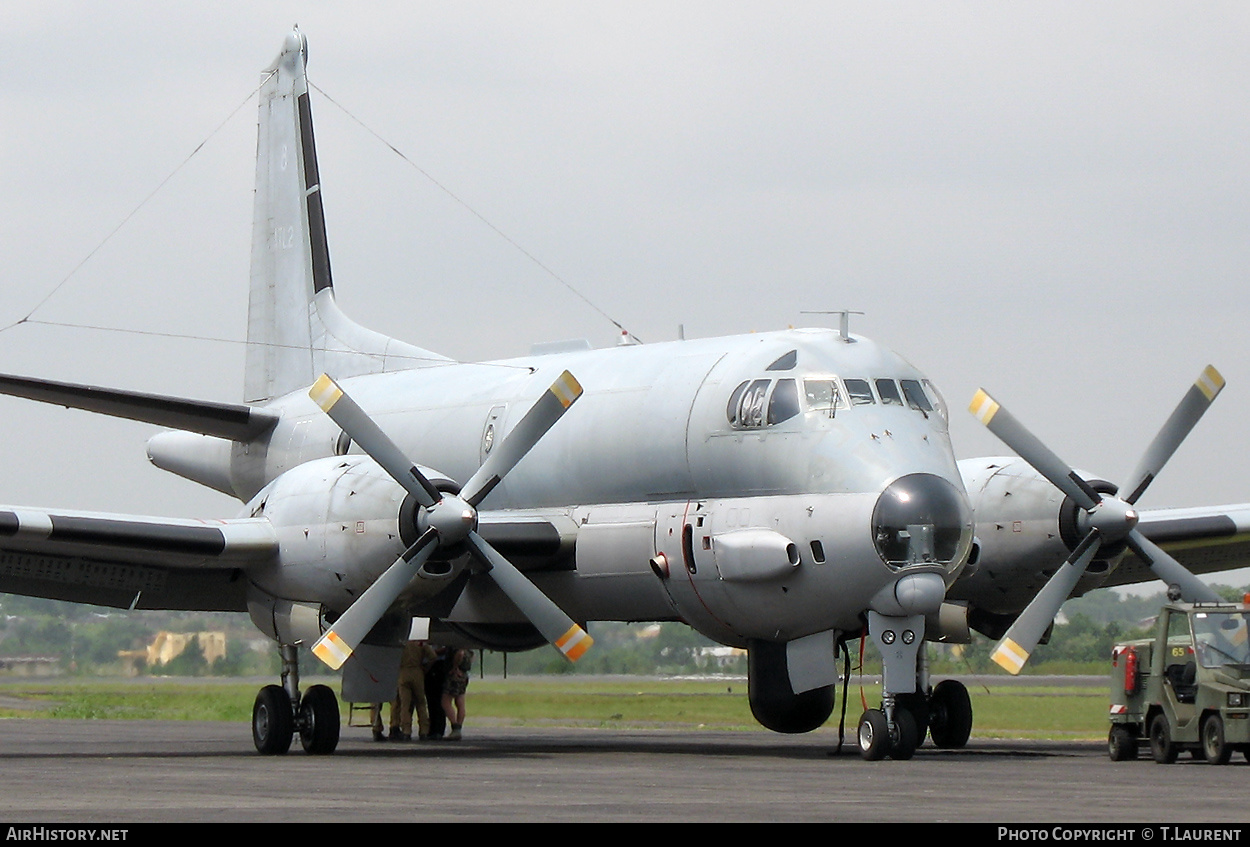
(295, 330)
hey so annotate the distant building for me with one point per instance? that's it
(168, 646)
(30, 665)
(721, 656)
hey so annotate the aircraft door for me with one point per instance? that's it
(685, 566)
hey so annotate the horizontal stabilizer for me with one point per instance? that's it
(235, 422)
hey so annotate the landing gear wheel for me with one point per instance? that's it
(273, 722)
(950, 714)
(917, 706)
(319, 721)
(905, 737)
(874, 735)
(1214, 746)
(1162, 748)
(1121, 744)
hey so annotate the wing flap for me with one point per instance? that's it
(131, 562)
(1205, 540)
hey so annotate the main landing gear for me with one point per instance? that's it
(279, 712)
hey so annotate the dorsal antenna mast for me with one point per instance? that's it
(844, 325)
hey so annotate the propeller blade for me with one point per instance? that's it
(344, 411)
(1191, 408)
(1171, 571)
(548, 409)
(336, 646)
(1021, 639)
(1027, 446)
(548, 618)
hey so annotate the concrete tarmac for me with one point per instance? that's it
(60, 771)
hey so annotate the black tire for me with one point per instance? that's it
(1121, 744)
(905, 738)
(916, 705)
(1218, 751)
(873, 736)
(1162, 748)
(950, 715)
(319, 721)
(273, 722)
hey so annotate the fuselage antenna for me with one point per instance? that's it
(844, 326)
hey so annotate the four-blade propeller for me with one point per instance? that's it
(447, 520)
(1105, 519)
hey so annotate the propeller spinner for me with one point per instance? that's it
(1105, 519)
(448, 520)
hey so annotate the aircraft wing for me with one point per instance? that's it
(1205, 540)
(127, 561)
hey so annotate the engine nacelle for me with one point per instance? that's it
(1025, 529)
(500, 637)
(340, 523)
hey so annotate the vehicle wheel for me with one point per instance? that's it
(874, 735)
(273, 723)
(1214, 746)
(319, 721)
(950, 714)
(905, 737)
(1121, 744)
(1162, 748)
(916, 705)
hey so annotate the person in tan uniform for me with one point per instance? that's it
(411, 693)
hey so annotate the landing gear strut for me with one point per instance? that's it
(908, 707)
(893, 730)
(279, 712)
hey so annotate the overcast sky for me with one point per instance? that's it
(1049, 200)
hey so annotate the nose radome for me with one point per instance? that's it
(922, 519)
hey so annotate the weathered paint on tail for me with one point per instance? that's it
(295, 329)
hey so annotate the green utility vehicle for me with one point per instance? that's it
(1187, 688)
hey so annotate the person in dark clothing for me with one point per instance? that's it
(435, 678)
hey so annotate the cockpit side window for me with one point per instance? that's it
(860, 392)
(735, 401)
(784, 402)
(939, 402)
(888, 389)
(915, 395)
(748, 411)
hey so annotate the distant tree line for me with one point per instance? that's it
(87, 640)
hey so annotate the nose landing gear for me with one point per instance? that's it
(909, 708)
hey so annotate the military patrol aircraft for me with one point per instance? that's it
(780, 491)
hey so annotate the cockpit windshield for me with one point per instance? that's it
(767, 400)
(823, 395)
(1221, 639)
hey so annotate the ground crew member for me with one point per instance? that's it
(411, 694)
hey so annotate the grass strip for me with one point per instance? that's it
(1039, 712)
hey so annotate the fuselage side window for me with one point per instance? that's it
(860, 392)
(823, 395)
(784, 402)
(915, 395)
(888, 389)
